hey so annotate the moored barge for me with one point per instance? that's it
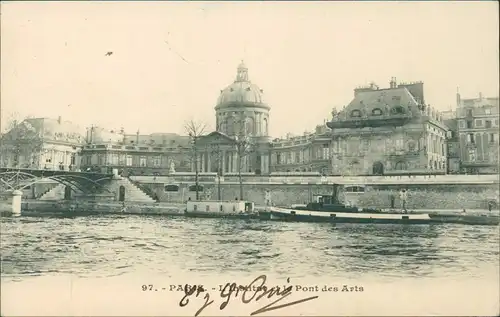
(327, 208)
(221, 209)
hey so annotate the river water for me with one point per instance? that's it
(97, 266)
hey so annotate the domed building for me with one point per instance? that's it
(241, 140)
(241, 108)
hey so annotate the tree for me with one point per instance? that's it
(244, 146)
(195, 130)
(215, 149)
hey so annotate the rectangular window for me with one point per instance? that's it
(129, 160)
(122, 159)
(114, 159)
(470, 138)
(493, 137)
(469, 112)
(143, 161)
(278, 158)
(488, 124)
(157, 161)
(479, 123)
(469, 124)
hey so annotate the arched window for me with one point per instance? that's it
(376, 112)
(355, 113)
(229, 126)
(412, 146)
(265, 126)
(249, 126)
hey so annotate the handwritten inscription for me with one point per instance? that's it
(255, 291)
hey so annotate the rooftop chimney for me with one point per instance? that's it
(480, 96)
(59, 120)
(392, 83)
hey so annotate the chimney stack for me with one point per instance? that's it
(480, 96)
(392, 83)
(59, 120)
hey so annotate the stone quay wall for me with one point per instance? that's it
(421, 195)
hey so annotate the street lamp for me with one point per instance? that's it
(216, 150)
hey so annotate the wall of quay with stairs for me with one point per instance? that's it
(440, 192)
(133, 192)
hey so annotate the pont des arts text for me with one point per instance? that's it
(296, 288)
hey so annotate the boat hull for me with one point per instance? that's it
(289, 215)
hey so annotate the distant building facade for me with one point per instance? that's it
(42, 143)
(478, 133)
(388, 131)
(135, 154)
(306, 153)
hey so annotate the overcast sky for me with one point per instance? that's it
(170, 60)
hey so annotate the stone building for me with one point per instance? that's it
(388, 131)
(478, 132)
(309, 152)
(42, 143)
(453, 146)
(241, 139)
(135, 154)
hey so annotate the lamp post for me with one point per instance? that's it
(217, 151)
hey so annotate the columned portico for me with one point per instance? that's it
(209, 166)
(235, 162)
(223, 158)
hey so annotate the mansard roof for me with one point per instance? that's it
(385, 100)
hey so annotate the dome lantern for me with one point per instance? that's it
(242, 73)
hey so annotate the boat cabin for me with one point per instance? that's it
(228, 206)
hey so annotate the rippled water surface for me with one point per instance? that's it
(107, 246)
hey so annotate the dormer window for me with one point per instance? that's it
(377, 112)
(397, 110)
(248, 89)
(231, 89)
(355, 113)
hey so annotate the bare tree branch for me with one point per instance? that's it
(244, 146)
(195, 130)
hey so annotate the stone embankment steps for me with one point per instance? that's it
(132, 192)
(56, 193)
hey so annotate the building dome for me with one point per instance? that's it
(241, 92)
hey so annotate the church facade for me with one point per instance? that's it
(241, 140)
